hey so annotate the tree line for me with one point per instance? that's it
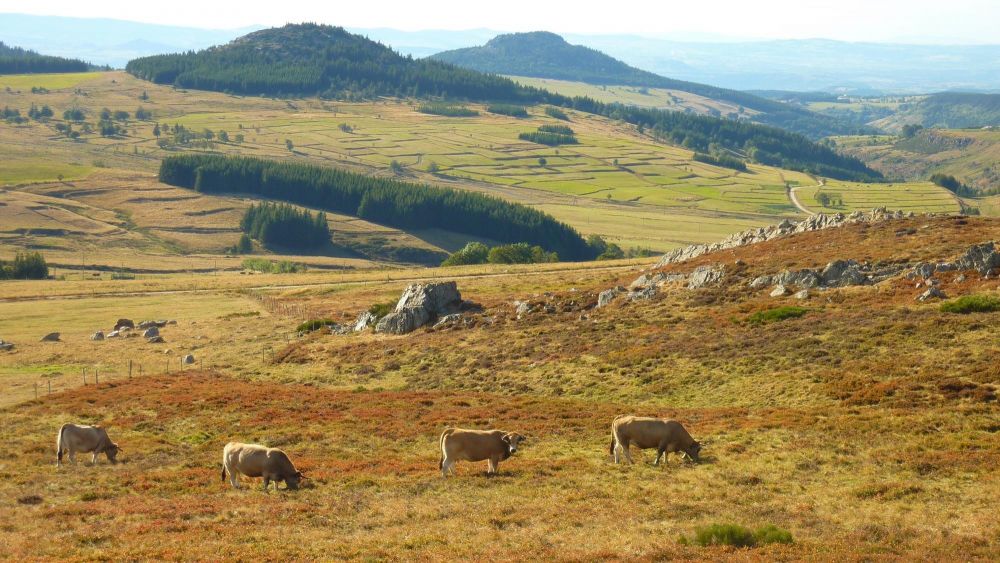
(15, 60)
(381, 200)
(280, 224)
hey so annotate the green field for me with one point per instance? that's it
(922, 197)
(49, 81)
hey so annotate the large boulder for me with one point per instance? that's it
(4, 346)
(780, 291)
(187, 360)
(842, 273)
(801, 278)
(151, 332)
(931, 293)
(124, 323)
(983, 258)
(421, 304)
(365, 320)
(609, 295)
(704, 276)
(51, 337)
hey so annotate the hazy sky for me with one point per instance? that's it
(924, 21)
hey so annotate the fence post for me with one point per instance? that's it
(130, 369)
(50, 387)
(97, 381)
(84, 376)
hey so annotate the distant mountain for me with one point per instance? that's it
(542, 54)
(311, 59)
(105, 41)
(15, 60)
(948, 110)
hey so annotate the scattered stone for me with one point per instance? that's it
(842, 273)
(521, 308)
(983, 258)
(761, 282)
(155, 340)
(171, 322)
(151, 332)
(421, 304)
(779, 291)
(801, 294)
(801, 278)
(113, 334)
(642, 294)
(924, 270)
(51, 337)
(704, 276)
(187, 360)
(786, 227)
(961, 278)
(4, 346)
(931, 293)
(99, 335)
(609, 295)
(124, 323)
(448, 320)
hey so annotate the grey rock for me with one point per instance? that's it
(802, 278)
(521, 308)
(155, 340)
(51, 337)
(761, 282)
(961, 278)
(402, 322)
(842, 273)
(99, 335)
(124, 323)
(5, 346)
(113, 334)
(779, 291)
(364, 320)
(641, 294)
(705, 276)
(151, 332)
(187, 360)
(924, 270)
(171, 322)
(983, 258)
(609, 295)
(448, 320)
(801, 294)
(931, 293)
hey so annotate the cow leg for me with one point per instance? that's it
(267, 483)
(628, 454)
(93, 459)
(448, 466)
(233, 480)
(72, 456)
(659, 455)
(493, 464)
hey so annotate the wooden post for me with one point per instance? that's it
(130, 369)
(96, 380)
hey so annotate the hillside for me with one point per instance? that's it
(318, 60)
(949, 110)
(15, 60)
(971, 155)
(547, 55)
(865, 426)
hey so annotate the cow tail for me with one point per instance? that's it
(444, 435)
(223, 472)
(59, 443)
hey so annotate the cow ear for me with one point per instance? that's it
(506, 438)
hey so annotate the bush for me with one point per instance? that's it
(549, 139)
(314, 324)
(471, 253)
(777, 314)
(272, 267)
(723, 160)
(724, 534)
(972, 304)
(520, 253)
(772, 534)
(739, 536)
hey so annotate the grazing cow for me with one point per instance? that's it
(87, 439)
(476, 445)
(644, 433)
(254, 460)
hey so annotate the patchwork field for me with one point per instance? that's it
(920, 197)
(615, 182)
(866, 427)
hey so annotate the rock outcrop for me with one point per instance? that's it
(786, 227)
(423, 304)
(51, 337)
(364, 320)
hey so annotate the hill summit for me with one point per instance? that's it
(311, 59)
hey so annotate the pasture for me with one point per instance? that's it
(865, 427)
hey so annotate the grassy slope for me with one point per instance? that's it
(841, 426)
(655, 197)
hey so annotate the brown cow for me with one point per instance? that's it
(665, 435)
(476, 445)
(74, 438)
(254, 460)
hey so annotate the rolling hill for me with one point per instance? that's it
(547, 55)
(947, 110)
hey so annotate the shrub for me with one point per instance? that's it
(26, 266)
(471, 253)
(272, 267)
(314, 324)
(508, 109)
(447, 110)
(777, 314)
(772, 534)
(520, 253)
(972, 304)
(724, 534)
(549, 139)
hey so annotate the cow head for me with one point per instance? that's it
(112, 452)
(512, 439)
(693, 451)
(292, 481)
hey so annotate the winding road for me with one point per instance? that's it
(795, 198)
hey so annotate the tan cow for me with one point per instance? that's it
(665, 435)
(476, 445)
(74, 438)
(254, 460)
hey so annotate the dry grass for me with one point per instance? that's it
(866, 428)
